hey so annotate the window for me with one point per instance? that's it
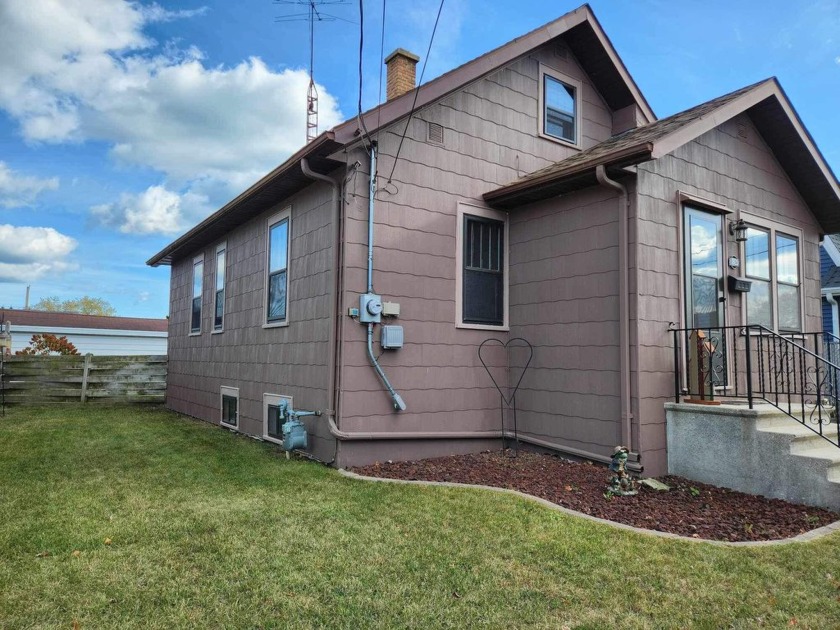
(482, 268)
(230, 406)
(272, 423)
(219, 310)
(559, 106)
(277, 300)
(772, 264)
(198, 277)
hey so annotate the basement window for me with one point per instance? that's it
(272, 422)
(230, 406)
(559, 106)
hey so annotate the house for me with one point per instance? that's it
(535, 196)
(95, 334)
(830, 282)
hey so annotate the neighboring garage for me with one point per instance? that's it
(95, 334)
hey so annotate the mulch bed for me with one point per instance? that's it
(689, 508)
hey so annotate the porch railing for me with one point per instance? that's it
(797, 373)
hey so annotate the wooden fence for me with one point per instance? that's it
(62, 379)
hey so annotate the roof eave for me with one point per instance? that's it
(543, 187)
(163, 257)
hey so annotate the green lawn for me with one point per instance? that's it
(213, 530)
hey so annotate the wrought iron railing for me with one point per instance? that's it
(798, 373)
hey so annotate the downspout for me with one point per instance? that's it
(331, 414)
(399, 404)
(623, 301)
(835, 324)
(335, 289)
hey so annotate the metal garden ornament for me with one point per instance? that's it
(621, 483)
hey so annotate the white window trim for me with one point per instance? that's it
(773, 227)
(196, 260)
(234, 393)
(220, 247)
(578, 85)
(272, 399)
(487, 213)
(286, 213)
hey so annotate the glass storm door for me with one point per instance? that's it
(704, 269)
(704, 285)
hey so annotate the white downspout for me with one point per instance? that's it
(835, 325)
(623, 302)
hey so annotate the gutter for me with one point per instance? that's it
(164, 256)
(508, 194)
(623, 301)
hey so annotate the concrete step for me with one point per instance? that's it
(772, 417)
(766, 452)
(829, 453)
(833, 474)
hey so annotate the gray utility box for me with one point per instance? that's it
(392, 337)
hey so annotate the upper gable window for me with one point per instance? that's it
(559, 106)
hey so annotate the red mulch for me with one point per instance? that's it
(689, 508)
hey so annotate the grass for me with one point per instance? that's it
(209, 529)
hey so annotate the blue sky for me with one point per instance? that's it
(122, 124)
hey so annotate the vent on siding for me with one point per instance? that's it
(561, 51)
(742, 131)
(435, 133)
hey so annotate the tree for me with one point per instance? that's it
(85, 305)
(45, 344)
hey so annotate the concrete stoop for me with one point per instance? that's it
(759, 451)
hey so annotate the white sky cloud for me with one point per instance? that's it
(29, 253)
(18, 190)
(157, 210)
(85, 70)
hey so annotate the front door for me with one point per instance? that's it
(704, 285)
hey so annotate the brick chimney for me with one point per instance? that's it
(401, 72)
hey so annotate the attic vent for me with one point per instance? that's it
(742, 131)
(561, 51)
(435, 133)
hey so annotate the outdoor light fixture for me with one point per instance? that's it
(738, 229)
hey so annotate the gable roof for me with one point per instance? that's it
(770, 110)
(831, 278)
(579, 29)
(47, 319)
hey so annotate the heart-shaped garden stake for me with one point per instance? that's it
(506, 345)
(509, 401)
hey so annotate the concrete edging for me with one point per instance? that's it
(814, 534)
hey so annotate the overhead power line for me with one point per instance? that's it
(416, 92)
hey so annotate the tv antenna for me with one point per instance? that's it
(313, 13)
